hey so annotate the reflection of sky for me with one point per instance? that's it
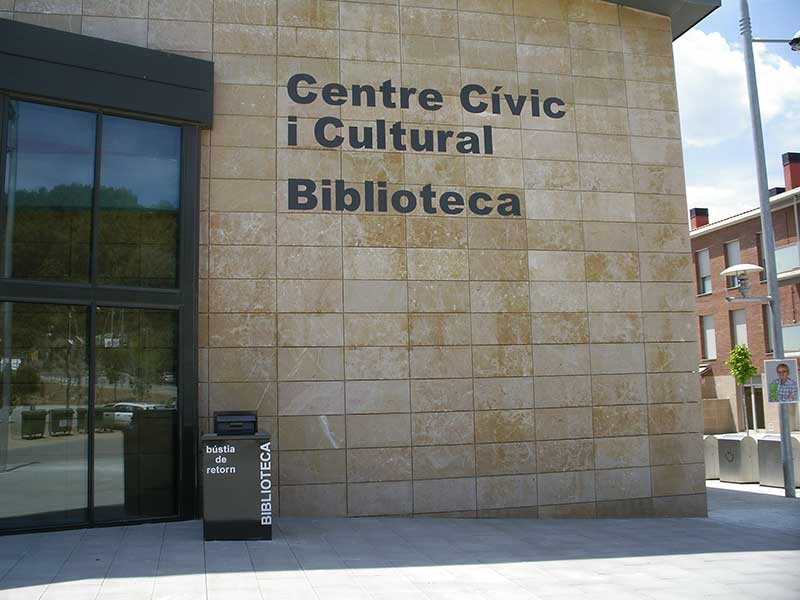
(56, 146)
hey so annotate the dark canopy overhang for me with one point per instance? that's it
(685, 14)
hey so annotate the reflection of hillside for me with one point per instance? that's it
(76, 195)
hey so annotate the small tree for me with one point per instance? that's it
(742, 368)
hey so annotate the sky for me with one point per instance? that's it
(715, 119)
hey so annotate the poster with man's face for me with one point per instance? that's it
(781, 376)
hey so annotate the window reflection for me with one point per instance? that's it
(48, 192)
(43, 414)
(139, 197)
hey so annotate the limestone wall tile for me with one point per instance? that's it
(614, 421)
(309, 230)
(542, 59)
(310, 364)
(640, 67)
(441, 362)
(311, 398)
(652, 95)
(654, 123)
(444, 170)
(369, 17)
(485, 26)
(438, 462)
(663, 237)
(600, 91)
(242, 262)
(376, 296)
(378, 431)
(670, 327)
(501, 361)
(557, 296)
(498, 296)
(656, 151)
(621, 452)
(442, 428)
(671, 356)
(439, 329)
(675, 418)
(507, 491)
(313, 500)
(444, 495)
(308, 13)
(615, 327)
(562, 391)
(668, 296)
(566, 488)
(504, 426)
(126, 31)
(190, 10)
(556, 266)
(369, 397)
(673, 480)
(233, 195)
(436, 395)
(505, 458)
(550, 175)
(500, 328)
(541, 32)
(497, 265)
(498, 234)
(617, 358)
(364, 230)
(560, 328)
(429, 21)
(446, 79)
(503, 393)
(619, 389)
(309, 262)
(241, 228)
(378, 464)
(630, 17)
(499, 172)
(241, 364)
(244, 39)
(376, 362)
(186, 36)
(565, 455)
(312, 296)
(376, 330)
(259, 396)
(563, 423)
(310, 330)
(103, 8)
(312, 466)
(256, 12)
(666, 267)
(551, 204)
(242, 163)
(612, 266)
(549, 145)
(554, 235)
(437, 264)
(597, 63)
(237, 330)
(604, 148)
(618, 484)
(378, 166)
(659, 208)
(429, 50)
(675, 449)
(608, 236)
(312, 432)
(310, 43)
(673, 387)
(388, 498)
(246, 296)
(608, 120)
(374, 263)
(605, 177)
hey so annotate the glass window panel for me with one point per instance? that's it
(708, 338)
(703, 272)
(48, 192)
(136, 393)
(43, 415)
(139, 200)
(738, 327)
(732, 257)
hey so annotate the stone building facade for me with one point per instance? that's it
(532, 364)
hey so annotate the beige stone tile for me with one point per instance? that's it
(439, 329)
(236, 330)
(242, 163)
(673, 387)
(377, 166)
(434, 395)
(309, 230)
(500, 328)
(243, 131)
(671, 356)
(565, 455)
(244, 39)
(438, 296)
(560, 328)
(308, 13)
(312, 466)
(376, 330)
(444, 495)
(256, 12)
(667, 267)
(619, 389)
(311, 398)
(488, 55)
(429, 50)
(390, 498)
(557, 296)
(441, 232)
(190, 10)
(656, 151)
(446, 79)
(313, 164)
(308, 42)
(507, 491)
(562, 391)
(617, 327)
(660, 208)
(376, 362)
(241, 228)
(617, 358)
(543, 59)
(369, 397)
(672, 480)
(185, 36)
(503, 393)
(601, 119)
(504, 426)
(311, 432)
(600, 91)
(612, 266)
(551, 204)
(309, 262)
(365, 230)
(607, 236)
(676, 418)
(442, 428)
(670, 327)
(566, 488)
(437, 264)
(545, 265)
(675, 449)
(242, 262)
(374, 263)
(485, 26)
(313, 500)
(498, 296)
(103, 8)
(251, 296)
(640, 67)
(369, 17)
(260, 397)
(654, 123)
(614, 296)
(501, 361)
(614, 421)
(244, 69)
(498, 265)
(310, 330)
(441, 362)
(550, 175)
(126, 31)
(549, 145)
(429, 21)
(541, 32)
(668, 296)
(309, 296)
(378, 431)
(605, 177)
(563, 423)
(505, 458)
(621, 452)
(497, 234)
(231, 195)
(603, 148)
(375, 296)
(378, 464)
(630, 17)
(310, 364)
(358, 71)
(652, 95)
(438, 462)
(619, 484)
(322, 69)
(597, 63)
(241, 364)
(497, 172)
(658, 237)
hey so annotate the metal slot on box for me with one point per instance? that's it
(235, 423)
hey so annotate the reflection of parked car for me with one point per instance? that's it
(120, 414)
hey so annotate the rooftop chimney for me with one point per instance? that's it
(775, 191)
(698, 217)
(791, 169)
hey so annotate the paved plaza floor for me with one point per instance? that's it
(749, 547)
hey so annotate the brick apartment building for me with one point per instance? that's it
(721, 324)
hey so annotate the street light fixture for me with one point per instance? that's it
(740, 272)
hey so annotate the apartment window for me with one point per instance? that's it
(761, 262)
(733, 256)
(703, 272)
(738, 327)
(766, 319)
(708, 338)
